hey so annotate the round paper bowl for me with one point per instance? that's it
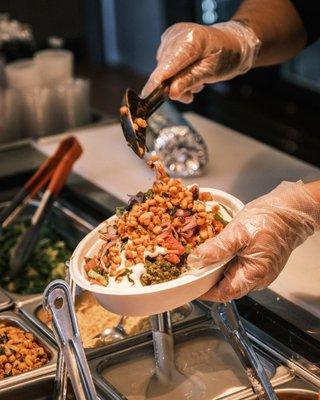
(153, 299)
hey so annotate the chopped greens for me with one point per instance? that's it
(158, 272)
(47, 261)
(98, 277)
(148, 195)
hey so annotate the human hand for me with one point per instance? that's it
(259, 240)
(193, 55)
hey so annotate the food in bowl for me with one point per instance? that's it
(19, 351)
(46, 263)
(149, 240)
(93, 319)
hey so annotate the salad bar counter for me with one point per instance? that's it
(123, 368)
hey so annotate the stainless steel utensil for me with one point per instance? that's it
(116, 333)
(57, 300)
(226, 317)
(134, 107)
(60, 389)
(167, 379)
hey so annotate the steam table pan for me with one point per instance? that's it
(5, 301)
(38, 388)
(201, 351)
(192, 313)
(11, 318)
(69, 225)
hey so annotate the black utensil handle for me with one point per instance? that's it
(157, 97)
(28, 240)
(15, 202)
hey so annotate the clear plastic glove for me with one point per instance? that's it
(259, 240)
(193, 55)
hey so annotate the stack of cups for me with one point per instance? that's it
(47, 99)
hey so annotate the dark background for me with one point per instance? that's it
(115, 42)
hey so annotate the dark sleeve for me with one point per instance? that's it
(309, 11)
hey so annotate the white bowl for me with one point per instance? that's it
(153, 299)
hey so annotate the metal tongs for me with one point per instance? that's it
(133, 107)
(167, 377)
(54, 170)
(57, 300)
(226, 317)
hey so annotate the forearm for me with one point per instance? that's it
(278, 26)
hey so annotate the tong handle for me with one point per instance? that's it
(157, 97)
(57, 299)
(43, 174)
(227, 318)
(60, 390)
(61, 173)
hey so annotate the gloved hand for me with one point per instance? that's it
(259, 240)
(196, 54)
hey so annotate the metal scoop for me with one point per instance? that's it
(167, 380)
(58, 301)
(227, 318)
(116, 333)
(134, 107)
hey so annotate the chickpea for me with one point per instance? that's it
(200, 207)
(157, 229)
(173, 190)
(145, 218)
(184, 204)
(201, 221)
(7, 367)
(3, 359)
(140, 249)
(203, 234)
(141, 122)
(116, 260)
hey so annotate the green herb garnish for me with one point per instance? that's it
(148, 195)
(219, 218)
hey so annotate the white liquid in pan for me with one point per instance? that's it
(209, 360)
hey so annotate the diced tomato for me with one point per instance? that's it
(90, 264)
(205, 196)
(172, 258)
(172, 243)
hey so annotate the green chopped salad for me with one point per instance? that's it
(46, 263)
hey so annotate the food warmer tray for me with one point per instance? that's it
(194, 314)
(68, 223)
(5, 301)
(11, 318)
(38, 388)
(224, 361)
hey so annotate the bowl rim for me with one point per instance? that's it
(76, 261)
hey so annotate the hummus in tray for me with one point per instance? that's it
(93, 319)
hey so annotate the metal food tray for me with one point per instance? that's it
(39, 388)
(277, 373)
(5, 301)
(196, 314)
(69, 225)
(11, 318)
